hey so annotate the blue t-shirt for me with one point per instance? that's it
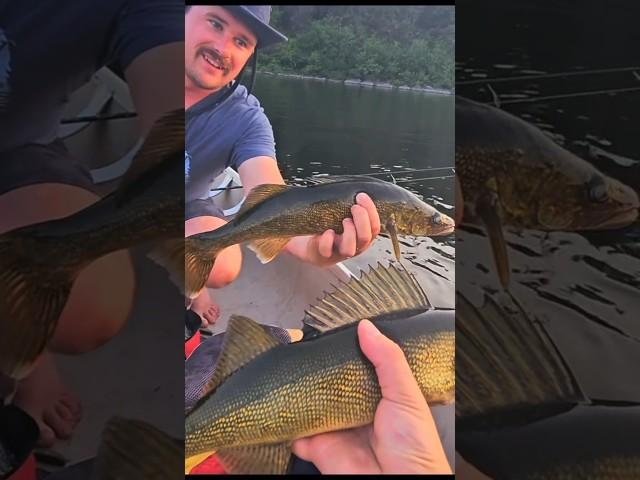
(49, 49)
(219, 134)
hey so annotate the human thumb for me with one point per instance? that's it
(396, 380)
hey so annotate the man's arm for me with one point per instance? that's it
(156, 82)
(328, 248)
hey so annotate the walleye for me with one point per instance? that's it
(273, 214)
(516, 394)
(39, 263)
(512, 174)
(264, 394)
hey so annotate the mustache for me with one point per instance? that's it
(215, 55)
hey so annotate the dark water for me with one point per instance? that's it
(332, 128)
(584, 289)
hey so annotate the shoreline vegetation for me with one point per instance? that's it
(362, 83)
(404, 47)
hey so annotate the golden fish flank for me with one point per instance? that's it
(264, 394)
(273, 214)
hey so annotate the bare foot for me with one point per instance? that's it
(204, 306)
(43, 396)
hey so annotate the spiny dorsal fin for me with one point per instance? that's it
(382, 290)
(166, 138)
(256, 459)
(504, 361)
(244, 340)
(267, 249)
(260, 193)
(135, 449)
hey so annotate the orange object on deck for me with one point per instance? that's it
(27, 470)
(191, 344)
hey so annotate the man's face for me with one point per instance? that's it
(216, 47)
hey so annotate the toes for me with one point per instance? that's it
(47, 437)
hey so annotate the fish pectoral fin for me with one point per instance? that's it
(270, 458)
(489, 211)
(393, 235)
(244, 340)
(269, 248)
(381, 291)
(260, 193)
(136, 449)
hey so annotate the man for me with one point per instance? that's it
(45, 54)
(225, 126)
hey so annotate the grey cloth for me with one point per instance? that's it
(202, 207)
(32, 164)
(223, 131)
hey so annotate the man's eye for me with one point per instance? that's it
(241, 43)
(216, 25)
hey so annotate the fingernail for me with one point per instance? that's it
(373, 330)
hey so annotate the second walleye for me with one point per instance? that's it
(273, 214)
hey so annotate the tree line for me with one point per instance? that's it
(409, 45)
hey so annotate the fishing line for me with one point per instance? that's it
(566, 95)
(548, 75)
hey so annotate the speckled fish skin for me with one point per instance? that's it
(286, 212)
(537, 183)
(319, 385)
(314, 209)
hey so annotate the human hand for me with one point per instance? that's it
(330, 248)
(403, 437)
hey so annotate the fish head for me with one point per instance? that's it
(597, 202)
(420, 219)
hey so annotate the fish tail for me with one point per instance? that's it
(35, 282)
(135, 449)
(188, 261)
(198, 263)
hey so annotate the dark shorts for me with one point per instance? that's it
(33, 164)
(202, 208)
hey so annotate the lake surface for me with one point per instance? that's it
(332, 128)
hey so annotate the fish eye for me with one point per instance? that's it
(597, 190)
(436, 219)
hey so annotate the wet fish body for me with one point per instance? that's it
(264, 394)
(273, 214)
(512, 174)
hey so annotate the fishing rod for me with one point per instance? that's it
(548, 75)
(99, 118)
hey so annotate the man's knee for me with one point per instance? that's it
(99, 305)
(226, 268)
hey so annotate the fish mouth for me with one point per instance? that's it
(619, 219)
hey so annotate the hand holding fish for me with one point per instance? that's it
(402, 438)
(329, 247)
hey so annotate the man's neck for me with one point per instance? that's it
(194, 95)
